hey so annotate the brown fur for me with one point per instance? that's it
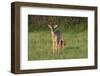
(56, 47)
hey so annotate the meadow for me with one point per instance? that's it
(40, 46)
(40, 43)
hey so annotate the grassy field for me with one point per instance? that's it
(40, 45)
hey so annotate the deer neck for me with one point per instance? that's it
(52, 36)
(52, 32)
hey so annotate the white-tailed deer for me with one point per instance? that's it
(57, 41)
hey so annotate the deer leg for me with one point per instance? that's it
(62, 44)
(54, 47)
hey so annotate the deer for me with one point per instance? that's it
(57, 40)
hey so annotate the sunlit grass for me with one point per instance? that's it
(40, 45)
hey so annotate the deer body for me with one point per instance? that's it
(57, 42)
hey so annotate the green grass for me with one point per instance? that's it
(40, 46)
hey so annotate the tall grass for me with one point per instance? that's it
(40, 45)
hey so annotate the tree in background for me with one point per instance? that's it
(40, 22)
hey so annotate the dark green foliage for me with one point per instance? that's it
(39, 22)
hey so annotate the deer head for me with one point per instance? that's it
(52, 27)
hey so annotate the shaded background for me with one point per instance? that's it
(39, 22)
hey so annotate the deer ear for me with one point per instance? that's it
(49, 26)
(55, 26)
